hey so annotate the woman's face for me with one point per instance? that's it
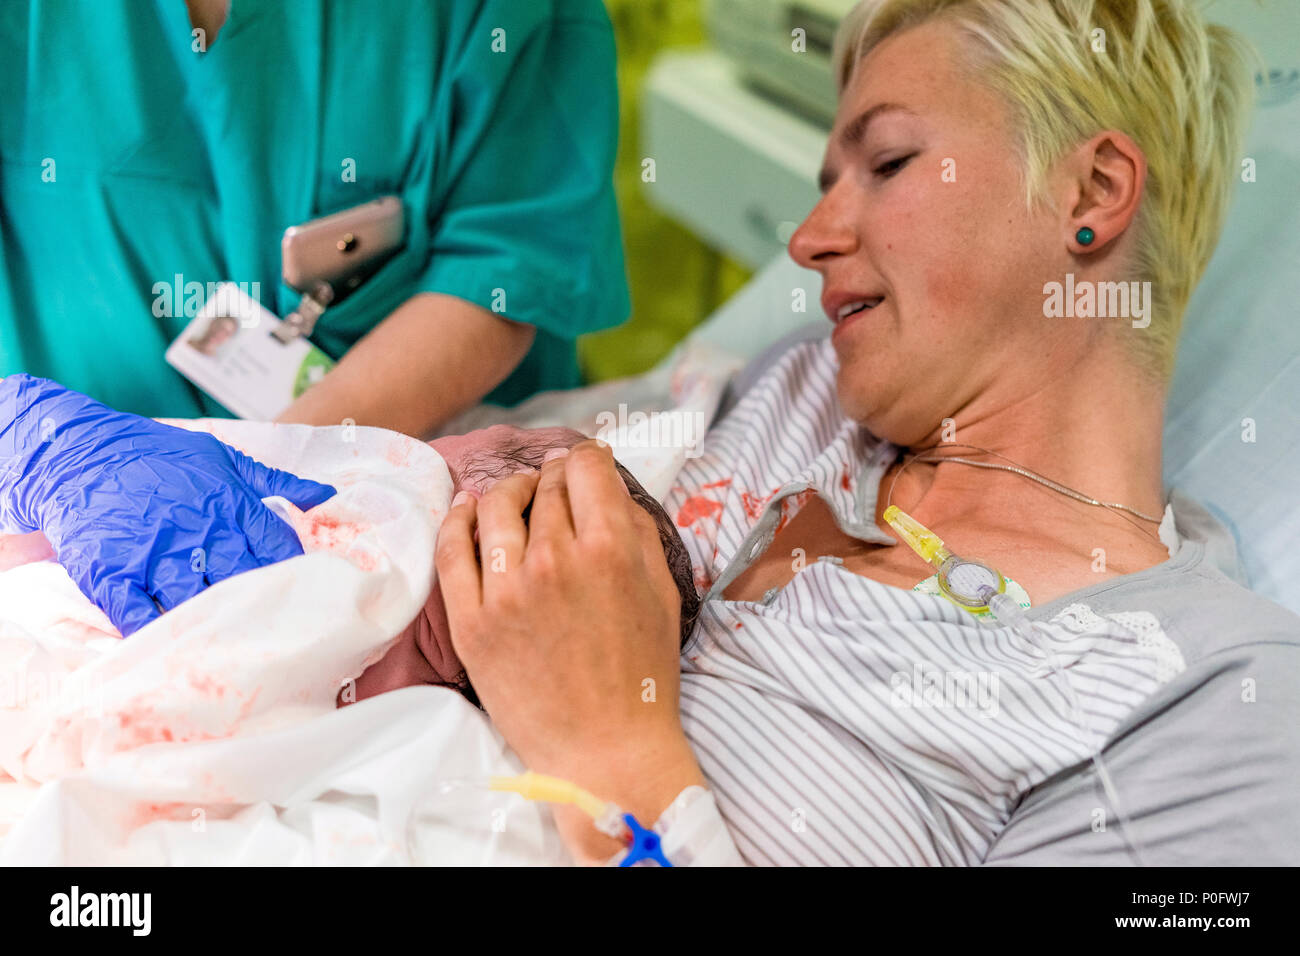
(923, 213)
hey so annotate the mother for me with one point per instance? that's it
(982, 151)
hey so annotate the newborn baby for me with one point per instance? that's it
(423, 653)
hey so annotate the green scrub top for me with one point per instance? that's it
(132, 165)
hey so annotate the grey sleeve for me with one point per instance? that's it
(1208, 771)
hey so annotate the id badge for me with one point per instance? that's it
(231, 352)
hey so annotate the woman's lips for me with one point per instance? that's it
(851, 319)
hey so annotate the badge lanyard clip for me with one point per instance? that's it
(302, 320)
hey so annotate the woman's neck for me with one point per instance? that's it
(1097, 430)
(208, 16)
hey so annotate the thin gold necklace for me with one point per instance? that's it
(1016, 468)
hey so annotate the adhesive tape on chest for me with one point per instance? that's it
(1013, 588)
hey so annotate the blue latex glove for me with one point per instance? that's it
(136, 511)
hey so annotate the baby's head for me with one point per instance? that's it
(424, 654)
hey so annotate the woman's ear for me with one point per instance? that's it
(1109, 172)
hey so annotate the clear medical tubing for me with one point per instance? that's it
(537, 787)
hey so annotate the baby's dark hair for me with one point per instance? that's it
(679, 561)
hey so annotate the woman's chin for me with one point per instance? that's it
(860, 409)
(860, 386)
(866, 405)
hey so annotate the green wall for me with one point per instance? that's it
(676, 280)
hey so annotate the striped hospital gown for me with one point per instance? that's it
(844, 721)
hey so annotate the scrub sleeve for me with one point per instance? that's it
(528, 224)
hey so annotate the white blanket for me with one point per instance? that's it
(211, 735)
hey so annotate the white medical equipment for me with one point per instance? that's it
(732, 166)
(782, 48)
(737, 132)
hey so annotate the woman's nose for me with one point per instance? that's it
(826, 233)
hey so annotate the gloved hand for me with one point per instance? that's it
(136, 511)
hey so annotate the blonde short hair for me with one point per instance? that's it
(1179, 87)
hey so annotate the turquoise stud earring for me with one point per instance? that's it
(1085, 236)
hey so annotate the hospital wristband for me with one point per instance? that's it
(693, 833)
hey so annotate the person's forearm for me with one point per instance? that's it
(433, 357)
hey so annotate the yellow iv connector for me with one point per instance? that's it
(918, 537)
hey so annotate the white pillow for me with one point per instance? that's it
(1238, 371)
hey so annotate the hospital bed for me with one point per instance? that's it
(343, 786)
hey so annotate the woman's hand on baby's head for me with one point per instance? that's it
(585, 573)
(568, 625)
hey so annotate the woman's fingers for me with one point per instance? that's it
(652, 545)
(550, 520)
(458, 567)
(502, 533)
(598, 498)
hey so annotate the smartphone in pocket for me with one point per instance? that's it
(343, 248)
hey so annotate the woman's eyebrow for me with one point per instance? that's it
(856, 128)
(854, 131)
